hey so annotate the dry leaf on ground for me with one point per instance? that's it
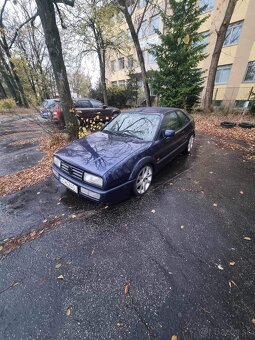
(60, 277)
(247, 238)
(58, 265)
(68, 311)
(232, 263)
(126, 288)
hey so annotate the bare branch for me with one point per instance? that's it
(66, 2)
(19, 28)
(2, 13)
(63, 25)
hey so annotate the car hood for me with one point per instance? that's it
(99, 152)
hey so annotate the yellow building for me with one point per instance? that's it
(235, 78)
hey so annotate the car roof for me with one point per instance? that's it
(86, 98)
(153, 109)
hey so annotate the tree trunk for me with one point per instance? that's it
(221, 34)
(47, 15)
(139, 51)
(101, 57)
(2, 91)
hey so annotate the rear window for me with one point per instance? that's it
(184, 119)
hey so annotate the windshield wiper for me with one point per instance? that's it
(128, 133)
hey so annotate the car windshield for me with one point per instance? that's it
(135, 124)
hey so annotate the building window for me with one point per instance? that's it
(222, 74)
(250, 73)
(233, 34)
(122, 83)
(216, 103)
(202, 39)
(114, 83)
(208, 5)
(121, 63)
(154, 24)
(242, 104)
(130, 61)
(142, 30)
(151, 58)
(113, 65)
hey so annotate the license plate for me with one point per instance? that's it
(69, 184)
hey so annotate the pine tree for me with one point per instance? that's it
(178, 82)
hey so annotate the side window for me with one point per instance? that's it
(183, 118)
(83, 104)
(171, 122)
(96, 103)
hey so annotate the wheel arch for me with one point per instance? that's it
(142, 162)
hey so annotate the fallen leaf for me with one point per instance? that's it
(33, 233)
(247, 238)
(68, 311)
(58, 265)
(38, 193)
(174, 337)
(60, 277)
(215, 204)
(73, 216)
(211, 172)
(106, 207)
(182, 226)
(1, 248)
(253, 321)
(153, 211)
(220, 267)
(126, 289)
(241, 192)
(44, 221)
(233, 283)
(232, 263)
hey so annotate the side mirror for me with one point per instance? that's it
(104, 107)
(169, 133)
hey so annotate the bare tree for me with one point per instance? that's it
(47, 15)
(221, 34)
(7, 67)
(124, 6)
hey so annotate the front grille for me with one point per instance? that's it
(72, 170)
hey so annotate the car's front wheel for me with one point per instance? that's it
(190, 144)
(143, 180)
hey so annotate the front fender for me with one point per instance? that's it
(142, 162)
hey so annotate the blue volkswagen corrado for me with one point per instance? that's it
(108, 165)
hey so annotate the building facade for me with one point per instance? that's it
(235, 77)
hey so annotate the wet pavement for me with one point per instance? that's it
(172, 248)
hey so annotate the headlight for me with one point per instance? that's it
(57, 161)
(92, 179)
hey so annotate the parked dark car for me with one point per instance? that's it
(47, 106)
(108, 165)
(88, 108)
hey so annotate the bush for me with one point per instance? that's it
(7, 104)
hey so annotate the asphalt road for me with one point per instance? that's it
(147, 268)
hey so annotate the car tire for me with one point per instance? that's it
(189, 145)
(227, 125)
(246, 125)
(143, 180)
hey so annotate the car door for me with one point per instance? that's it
(100, 110)
(84, 108)
(186, 125)
(167, 147)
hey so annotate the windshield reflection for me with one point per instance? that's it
(138, 125)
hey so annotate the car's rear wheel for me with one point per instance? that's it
(190, 144)
(143, 180)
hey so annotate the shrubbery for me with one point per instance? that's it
(7, 104)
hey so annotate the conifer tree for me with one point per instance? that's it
(179, 81)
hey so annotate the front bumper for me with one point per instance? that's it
(110, 196)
